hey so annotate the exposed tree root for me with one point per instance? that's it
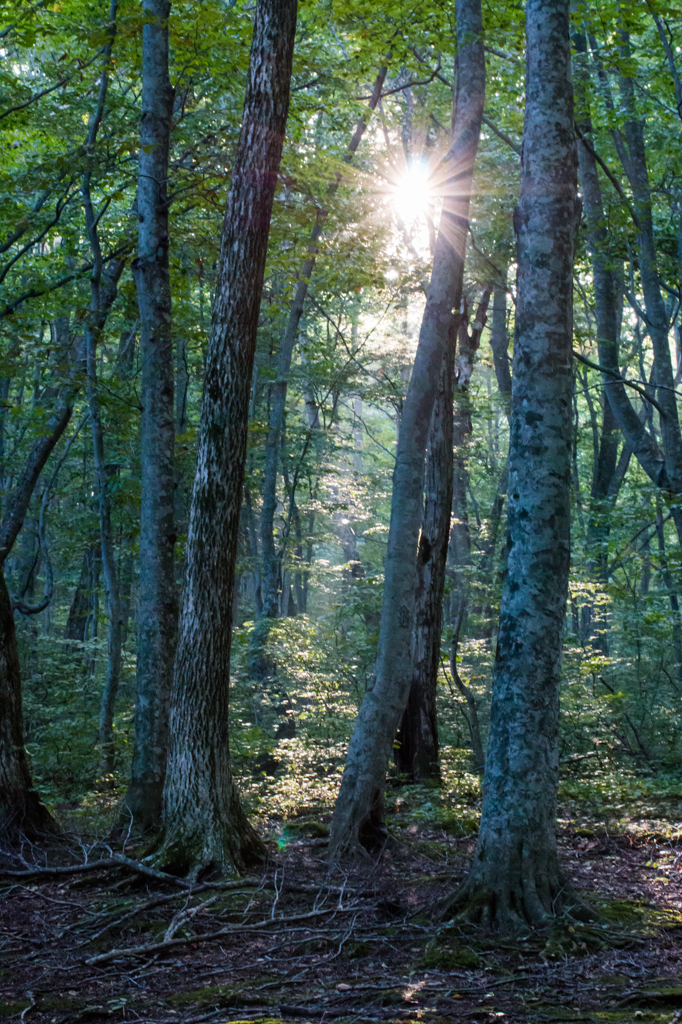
(218, 851)
(513, 889)
(26, 818)
(91, 867)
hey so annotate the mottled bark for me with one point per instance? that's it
(204, 824)
(515, 878)
(158, 611)
(358, 814)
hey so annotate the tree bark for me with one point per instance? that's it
(204, 824)
(515, 879)
(416, 753)
(79, 611)
(20, 806)
(158, 612)
(104, 295)
(358, 814)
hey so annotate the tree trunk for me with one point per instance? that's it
(358, 814)
(79, 611)
(416, 754)
(515, 879)
(103, 291)
(204, 824)
(419, 729)
(104, 295)
(20, 807)
(158, 613)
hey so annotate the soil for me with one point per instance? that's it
(302, 943)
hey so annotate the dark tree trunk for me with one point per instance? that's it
(515, 879)
(20, 807)
(416, 755)
(104, 294)
(358, 814)
(81, 608)
(158, 612)
(103, 291)
(460, 544)
(499, 342)
(204, 824)
(79, 611)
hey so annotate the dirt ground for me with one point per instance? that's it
(301, 943)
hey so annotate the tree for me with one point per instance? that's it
(204, 825)
(21, 809)
(515, 879)
(358, 813)
(158, 604)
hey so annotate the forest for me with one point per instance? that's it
(340, 511)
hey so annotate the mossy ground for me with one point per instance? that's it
(363, 943)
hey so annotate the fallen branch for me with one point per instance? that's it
(259, 926)
(115, 861)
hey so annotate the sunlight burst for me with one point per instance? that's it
(413, 195)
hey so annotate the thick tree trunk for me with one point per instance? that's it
(204, 824)
(158, 612)
(20, 807)
(515, 878)
(358, 814)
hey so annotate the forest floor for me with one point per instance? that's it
(300, 943)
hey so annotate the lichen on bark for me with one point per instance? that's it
(515, 880)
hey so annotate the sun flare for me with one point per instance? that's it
(413, 196)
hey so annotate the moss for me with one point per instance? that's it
(12, 1009)
(389, 997)
(313, 829)
(356, 950)
(221, 996)
(215, 995)
(667, 993)
(627, 1017)
(638, 912)
(463, 825)
(448, 957)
